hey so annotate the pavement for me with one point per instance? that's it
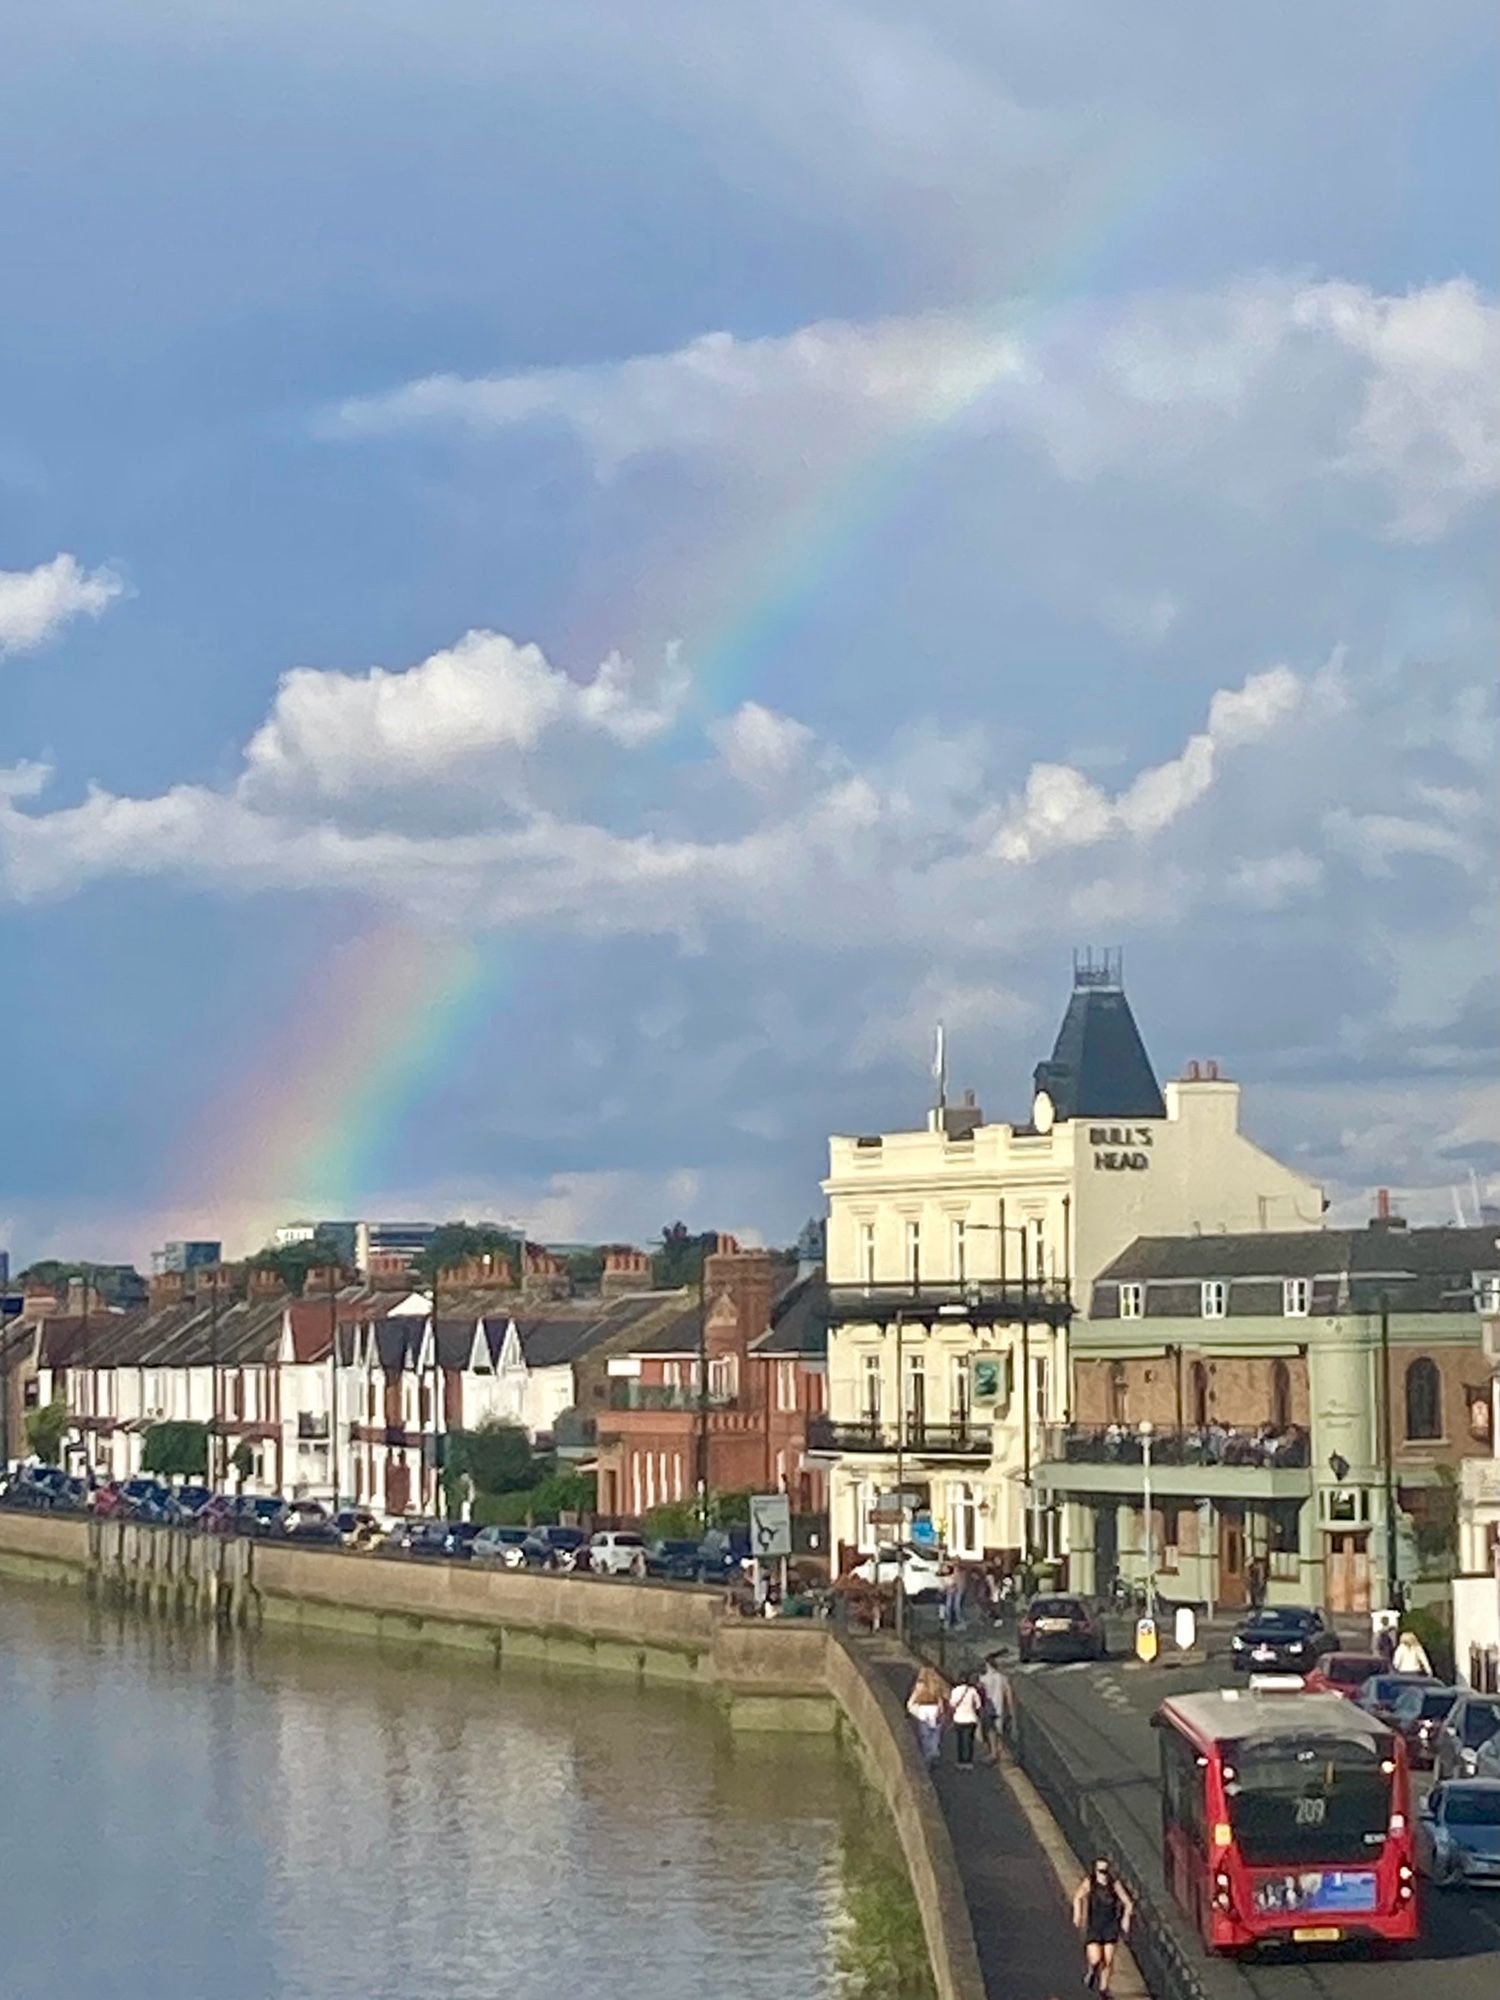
(1018, 1873)
(1100, 1717)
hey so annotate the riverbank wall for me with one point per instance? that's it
(768, 1674)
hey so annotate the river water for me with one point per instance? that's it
(195, 1817)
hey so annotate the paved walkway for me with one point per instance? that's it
(1017, 1871)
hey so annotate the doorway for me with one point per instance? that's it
(1233, 1594)
(397, 1489)
(1349, 1573)
(1106, 1548)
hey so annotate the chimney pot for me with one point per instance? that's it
(1382, 1204)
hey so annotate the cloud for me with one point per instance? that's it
(761, 749)
(333, 734)
(1060, 807)
(1231, 387)
(36, 604)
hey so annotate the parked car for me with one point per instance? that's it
(1419, 1713)
(220, 1516)
(1061, 1628)
(1343, 1673)
(550, 1547)
(723, 1554)
(145, 1499)
(310, 1521)
(672, 1561)
(918, 1569)
(1468, 1744)
(503, 1548)
(458, 1542)
(259, 1514)
(359, 1528)
(1380, 1694)
(1281, 1639)
(1458, 1834)
(427, 1539)
(617, 1552)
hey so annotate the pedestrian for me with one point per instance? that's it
(1385, 1645)
(966, 1708)
(1410, 1656)
(951, 1579)
(1257, 1581)
(927, 1704)
(996, 1721)
(1102, 1910)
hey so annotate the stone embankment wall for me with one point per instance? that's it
(769, 1674)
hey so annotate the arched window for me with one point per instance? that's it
(1200, 1395)
(1281, 1396)
(1424, 1399)
(1119, 1393)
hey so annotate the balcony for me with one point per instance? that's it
(1189, 1462)
(917, 1439)
(627, 1394)
(928, 1302)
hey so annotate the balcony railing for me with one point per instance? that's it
(920, 1438)
(630, 1395)
(982, 1301)
(1207, 1444)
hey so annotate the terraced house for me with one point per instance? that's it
(1303, 1403)
(956, 1254)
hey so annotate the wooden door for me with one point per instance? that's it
(1348, 1573)
(1232, 1585)
(397, 1489)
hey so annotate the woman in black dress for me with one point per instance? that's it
(1102, 1910)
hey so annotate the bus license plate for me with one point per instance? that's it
(1317, 1934)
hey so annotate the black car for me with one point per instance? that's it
(1061, 1628)
(723, 1554)
(458, 1544)
(553, 1548)
(1282, 1639)
(672, 1561)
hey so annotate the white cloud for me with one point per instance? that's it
(337, 734)
(1239, 390)
(1060, 807)
(35, 604)
(762, 749)
(1272, 881)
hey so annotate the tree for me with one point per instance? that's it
(456, 1243)
(46, 1428)
(242, 1460)
(679, 1261)
(292, 1261)
(497, 1457)
(176, 1451)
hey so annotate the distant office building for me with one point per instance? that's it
(4, 1270)
(354, 1244)
(186, 1257)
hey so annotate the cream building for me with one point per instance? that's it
(954, 1254)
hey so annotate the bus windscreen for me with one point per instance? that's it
(1313, 1799)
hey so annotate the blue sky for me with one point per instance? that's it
(940, 486)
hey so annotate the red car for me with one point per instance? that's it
(1343, 1673)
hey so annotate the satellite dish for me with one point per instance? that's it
(1042, 1112)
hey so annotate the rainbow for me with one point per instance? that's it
(384, 1017)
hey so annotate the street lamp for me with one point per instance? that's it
(1145, 1436)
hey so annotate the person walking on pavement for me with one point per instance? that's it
(1410, 1656)
(927, 1704)
(966, 1707)
(1102, 1910)
(996, 1721)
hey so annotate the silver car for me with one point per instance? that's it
(1468, 1744)
(1458, 1834)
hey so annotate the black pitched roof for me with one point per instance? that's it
(1446, 1257)
(1099, 1067)
(799, 1321)
(565, 1331)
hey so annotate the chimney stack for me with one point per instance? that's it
(625, 1270)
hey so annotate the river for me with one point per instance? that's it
(189, 1814)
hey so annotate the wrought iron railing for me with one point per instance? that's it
(1261, 1446)
(957, 1440)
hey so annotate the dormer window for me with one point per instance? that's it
(1132, 1301)
(1296, 1298)
(1487, 1291)
(1215, 1297)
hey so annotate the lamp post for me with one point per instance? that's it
(333, 1390)
(1145, 1436)
(214, 1469)
(1387, 1455)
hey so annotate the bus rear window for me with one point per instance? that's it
(1307, 1799)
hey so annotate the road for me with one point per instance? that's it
(1102, 1715)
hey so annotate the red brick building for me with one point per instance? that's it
(764, 1345)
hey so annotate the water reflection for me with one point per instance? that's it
(189, 1814)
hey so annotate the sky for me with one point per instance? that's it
(573, 579)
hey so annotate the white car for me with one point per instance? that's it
(918, 1569)
(617, 1552)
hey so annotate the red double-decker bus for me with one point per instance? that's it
(1286, 1819)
